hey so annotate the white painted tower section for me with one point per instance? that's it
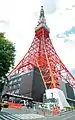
(42, 21)
(59, 95)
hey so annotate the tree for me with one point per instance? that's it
(7, 55)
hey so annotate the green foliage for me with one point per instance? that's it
(69, 108)
(7, 55)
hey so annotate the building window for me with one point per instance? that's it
(15, 80)
(12, 91)
(17, 91)
(19, 85)
(28, 74)
(14, 86)
(10, 87)
(10, 82)
(19, 79)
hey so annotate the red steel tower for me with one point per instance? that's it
(42, 55)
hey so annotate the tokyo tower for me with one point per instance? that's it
(42, 55)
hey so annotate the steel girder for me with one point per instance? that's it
(42, 55)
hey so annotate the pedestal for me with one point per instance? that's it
(58, 95)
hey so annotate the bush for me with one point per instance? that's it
(69, 108)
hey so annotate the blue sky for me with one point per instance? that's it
(18, 18)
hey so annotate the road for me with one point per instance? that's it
(66, 116)
(7, 116)
(32, 115)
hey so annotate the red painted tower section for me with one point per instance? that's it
(42, 55)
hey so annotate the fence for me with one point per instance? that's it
(14, 105)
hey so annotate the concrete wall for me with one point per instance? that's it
(26, 84)
(67, 89)
(32, 85)
(38, 86)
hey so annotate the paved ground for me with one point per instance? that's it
(24, 110)
(7, 116)
(23, 114)
(68, 116)
(27, 115)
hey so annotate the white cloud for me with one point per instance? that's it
(50, 6)
(22, 16)
(63, 19)
(66, 52)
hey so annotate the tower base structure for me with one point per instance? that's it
(58, 95)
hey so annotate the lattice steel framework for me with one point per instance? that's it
(42, 55)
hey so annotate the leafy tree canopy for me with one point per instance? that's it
(7, 55)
